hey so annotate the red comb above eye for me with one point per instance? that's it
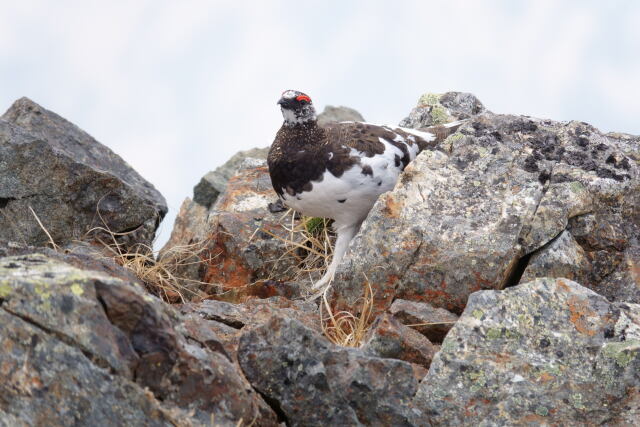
(303, 98)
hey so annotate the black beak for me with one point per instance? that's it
(286, 103)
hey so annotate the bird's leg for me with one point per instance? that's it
(345, 234)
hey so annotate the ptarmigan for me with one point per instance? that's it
(338, 170)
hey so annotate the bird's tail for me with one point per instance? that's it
(440, 133)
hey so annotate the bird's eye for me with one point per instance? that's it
(304, 98)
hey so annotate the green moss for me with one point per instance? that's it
(576, 187)
(315, 225)
(576, 401)
(430, 99)
(5, 290)
(477, 313)
(478, 379)
(77, 289)
(622, 352)
(542, 411)
(494, 333)
(439, 115)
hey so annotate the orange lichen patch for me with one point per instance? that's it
(482, 283)
(545, 377)
(533, 419)
(225, 269)
(580, 312)
(562, 286)
(502, 358)
(392, 207)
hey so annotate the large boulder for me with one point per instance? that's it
(70, 181)
(97, 346)
(316, 383)
(339, 114)
(502, 197)
(237, 255)
(549, 352)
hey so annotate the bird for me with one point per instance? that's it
(338, 170)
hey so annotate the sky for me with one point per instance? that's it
(177, 87)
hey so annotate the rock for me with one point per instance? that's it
(95, 332)
(549, 352)
(472, 213)
(389, 338)
(66, 177)
(434, 323)
(315, 383)
(239, 256)
(339, 114)
(213, 183)
(436, 109)
(226, 322)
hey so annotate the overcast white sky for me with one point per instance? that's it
(177, 87)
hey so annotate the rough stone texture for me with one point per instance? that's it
(549, 352)
(240, 257)
(100, 341)
(315, 383)
(66, 176)
(206, 192)
(432, 322)
(387, 337)
(213, 320)
(436, 109)
(470, 215)
(339, 114)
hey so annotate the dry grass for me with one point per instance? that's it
(344, 328)
(162, 275)
(309, 243)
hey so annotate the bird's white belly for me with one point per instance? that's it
(349, 198)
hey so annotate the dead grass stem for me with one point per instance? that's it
(344, 328)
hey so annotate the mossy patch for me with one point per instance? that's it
(77, 289)
(477, 313)
(622, 352)
(439, 115)
(430, 99)
(5, 290)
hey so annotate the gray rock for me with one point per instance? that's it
(206, 192)
(339, 114)
(387, 337)
(67, 177)
(315, 383)
(470, 214)
(432, 322)
(436, 109)
(549, 352)
(97, 335)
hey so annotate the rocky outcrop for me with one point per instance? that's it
(526, 228)
(503, 195)
(436, 109)
(70, 181)
(549, 352)
(93, 344)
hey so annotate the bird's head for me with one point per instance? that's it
(296, 108)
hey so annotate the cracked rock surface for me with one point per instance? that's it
(503, 197)
(80, 346)
(549, 352)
